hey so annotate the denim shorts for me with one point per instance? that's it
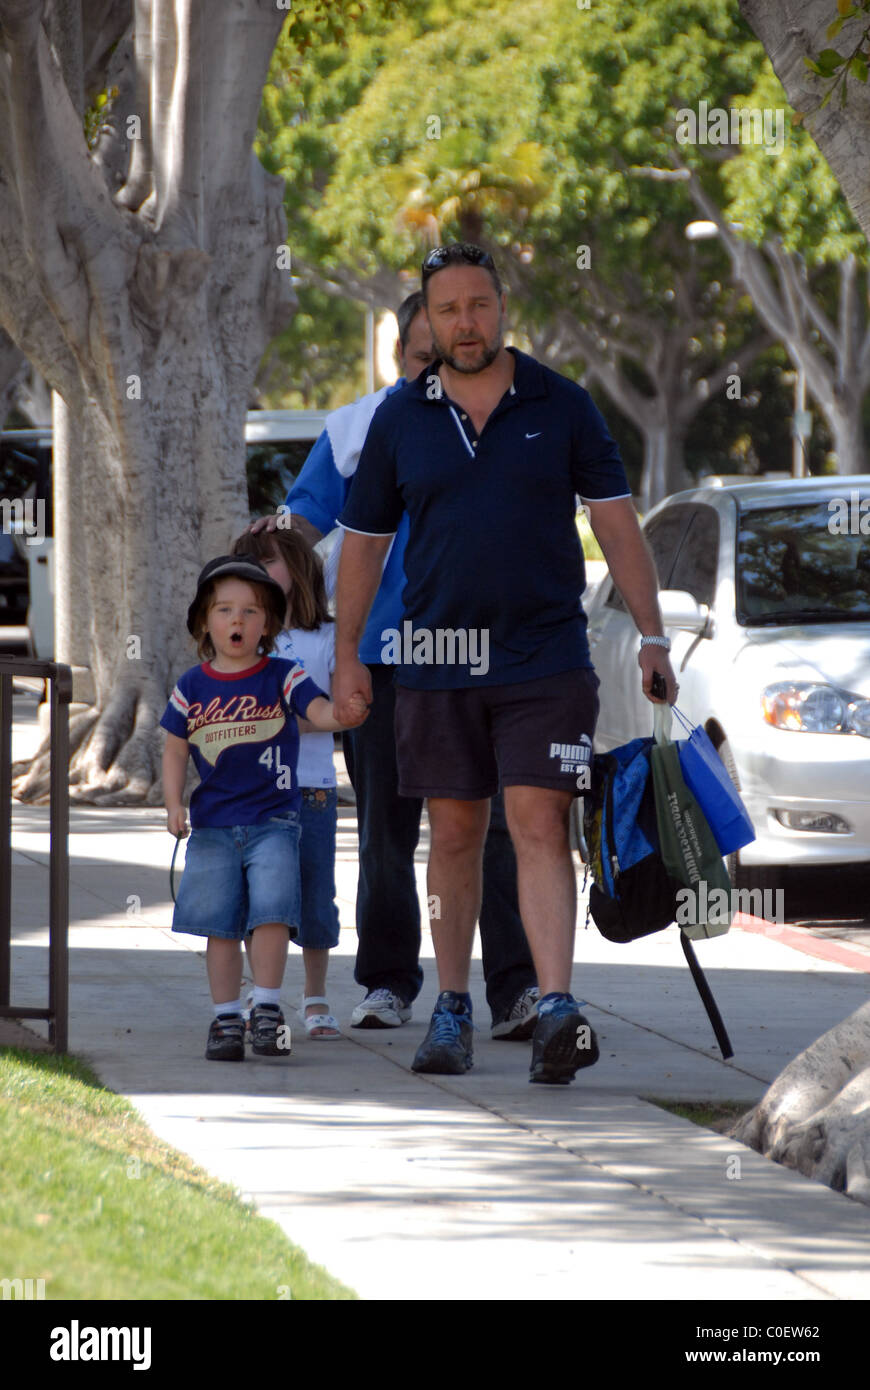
(320, 928)
(240, 877)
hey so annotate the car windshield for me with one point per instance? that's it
(272, 470)
(808, 562)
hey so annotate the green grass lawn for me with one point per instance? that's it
(93, 1203)
(710, 1114)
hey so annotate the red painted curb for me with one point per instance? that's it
(810, 945)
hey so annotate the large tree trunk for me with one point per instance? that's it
(664, 468)
(790, 31)
(13, 365)
(846, 422)
(162, 303)
(816, 1115)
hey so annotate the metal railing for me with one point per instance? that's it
(60, 681)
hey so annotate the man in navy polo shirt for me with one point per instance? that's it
(487, 451)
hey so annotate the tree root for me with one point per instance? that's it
(815, 1117)
(31, 780)
(115, 754)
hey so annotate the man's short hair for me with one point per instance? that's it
(458, 253)
(406, 314)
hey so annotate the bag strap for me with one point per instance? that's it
(172, 870)
(662, 723)
(682, 718)
(707, 997)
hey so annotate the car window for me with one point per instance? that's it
(272, 469)
(698, 558)
(663, 535)
(798, 564)
(25, 475)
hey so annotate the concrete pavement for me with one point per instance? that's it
(480, 1187)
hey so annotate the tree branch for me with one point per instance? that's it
(25, 313)
(384, 289)
(67, 217)
(738, 360)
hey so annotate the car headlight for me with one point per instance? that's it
(813, 708)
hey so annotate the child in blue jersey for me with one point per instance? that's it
(309, 638)
(236, 714)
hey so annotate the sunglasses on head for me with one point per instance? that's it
(459, 253)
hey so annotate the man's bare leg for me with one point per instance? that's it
(455, 881)
(458, 831)
(538, 821)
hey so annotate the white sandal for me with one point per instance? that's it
(319, 1021)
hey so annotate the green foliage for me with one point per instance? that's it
(95, 113)
(317, 362)
(535, 129)
(794, 197)
(836, 67)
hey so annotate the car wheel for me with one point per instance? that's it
(747, 876)
(575, 828)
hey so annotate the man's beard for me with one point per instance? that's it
(490, 352)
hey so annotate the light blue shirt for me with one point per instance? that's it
(319, 494)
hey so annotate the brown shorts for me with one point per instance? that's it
(465, 744)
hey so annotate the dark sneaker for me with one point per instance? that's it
(226, 1039)
(270, 1037)
(518, 1024)
(381, 1008)
(562, 1043)
(446, 1048)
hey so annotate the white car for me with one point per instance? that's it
(765, 595)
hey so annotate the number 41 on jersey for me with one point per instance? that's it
(283, 771)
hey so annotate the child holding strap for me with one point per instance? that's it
(236, 714)
(309, 638)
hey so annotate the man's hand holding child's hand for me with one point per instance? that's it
(358, 710)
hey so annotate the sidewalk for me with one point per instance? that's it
(479, 1187)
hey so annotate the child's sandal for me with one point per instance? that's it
(320, 1027)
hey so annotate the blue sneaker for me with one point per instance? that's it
(562, 1043)
(446, 1048)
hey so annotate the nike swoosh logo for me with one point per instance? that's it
(534, 436)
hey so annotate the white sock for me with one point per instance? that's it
(233, 1007)
(262, 995)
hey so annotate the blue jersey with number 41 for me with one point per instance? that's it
(241, 729)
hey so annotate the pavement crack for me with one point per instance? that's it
(677, 1042)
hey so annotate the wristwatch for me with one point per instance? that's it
(664, 642)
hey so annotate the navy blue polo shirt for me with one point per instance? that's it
(493, 565)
